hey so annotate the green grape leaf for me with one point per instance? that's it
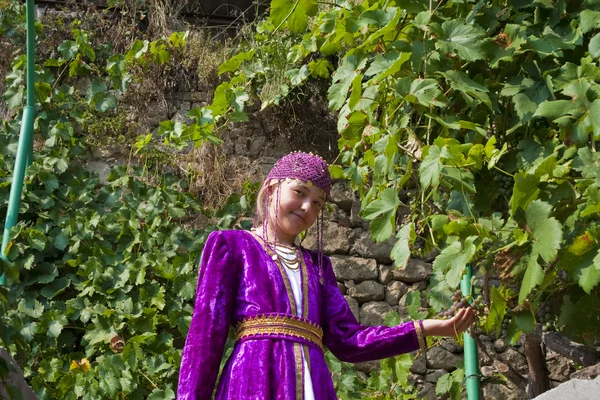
(431, 167)
(356, 91)
(497, 311)
(545, 230)
(68, 49)
(14, 96)
(57, 286)
(37, 239)
(444, 384)
(413, 303)
(105, 102)
(385, 205)
(581, 321)
(589, 20)
(524, 320)
(233, 64)
(587, 275)
(320, 68)
(382, 213)
(402, 364)
(594, 46)
(460, 81)
(454, 258)
(401, 251)
(457, 36)
(292, 13)
(525, 190)
(534, 275)
(588, 163)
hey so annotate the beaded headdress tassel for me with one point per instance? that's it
(305, 167)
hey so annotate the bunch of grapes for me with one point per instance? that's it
(505, 184)
(458, 302)
(546, 318)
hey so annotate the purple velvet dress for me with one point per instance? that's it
(238, 279)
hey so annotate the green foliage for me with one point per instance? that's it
(485, 115)
(101, 279)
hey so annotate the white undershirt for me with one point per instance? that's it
(296, 283)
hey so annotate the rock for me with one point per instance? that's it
(160, 112)
(277, 148)
(415, 271)
(185, 106)
(450, 345)
(257, 144)
(560, 368)
(181, 116)
(419, 365)
(427, 392)
(415, 379)
(434, 374)
(101, 168)
(336, 238)
(374, 312)
(355, 219)
(367, 291)
(365, 247)
(353, 268)
(342, 287)
(440, 358)
(342, 195)
(502, 392)
(333, 213)
(368, 366)
(499, 345)
(15, 377)
(200, 96)
(574, 389)
(488, 371)
(590, 372)
(353, 304)
(515, 359)
(394, 292)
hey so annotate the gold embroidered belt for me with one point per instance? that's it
(280, 326)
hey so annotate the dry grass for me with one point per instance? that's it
(213, 178)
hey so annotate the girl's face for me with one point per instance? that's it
(299, 207)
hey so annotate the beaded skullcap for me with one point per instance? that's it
(306, 167)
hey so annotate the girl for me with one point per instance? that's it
(284, 302)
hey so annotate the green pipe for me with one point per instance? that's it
(472, 375)
(25, 147)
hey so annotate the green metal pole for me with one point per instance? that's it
(471, 357)
(25, 146)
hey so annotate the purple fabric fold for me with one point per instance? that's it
(237, 280)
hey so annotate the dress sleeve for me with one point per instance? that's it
(352, 342)
(215, 294)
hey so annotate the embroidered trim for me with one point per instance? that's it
(420, 337)
(300, 369)
(281, 325)
(304, 277)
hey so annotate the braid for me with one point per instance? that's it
(320, 245)
(276, 214)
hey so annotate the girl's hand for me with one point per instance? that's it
(450, 327)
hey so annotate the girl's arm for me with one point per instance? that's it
(213, 308)
(352, 342)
